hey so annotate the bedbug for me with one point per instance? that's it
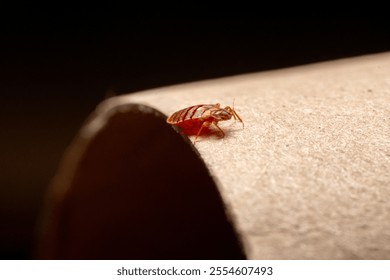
(196, 118)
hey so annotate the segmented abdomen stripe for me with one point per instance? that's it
(191, 111)
(185, 114)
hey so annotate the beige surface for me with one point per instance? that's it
(309, 175)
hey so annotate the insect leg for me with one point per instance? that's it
(238, 117)
(216, 124)
(204, 124)
(234, 114)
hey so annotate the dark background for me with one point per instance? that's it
(57, 66)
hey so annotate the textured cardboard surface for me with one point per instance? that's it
(309, 175)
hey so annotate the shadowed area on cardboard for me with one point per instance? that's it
(137, 191)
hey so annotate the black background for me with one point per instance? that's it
(57, 66)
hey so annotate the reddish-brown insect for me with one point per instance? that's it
(197, 117)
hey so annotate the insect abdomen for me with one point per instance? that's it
(190, 113)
